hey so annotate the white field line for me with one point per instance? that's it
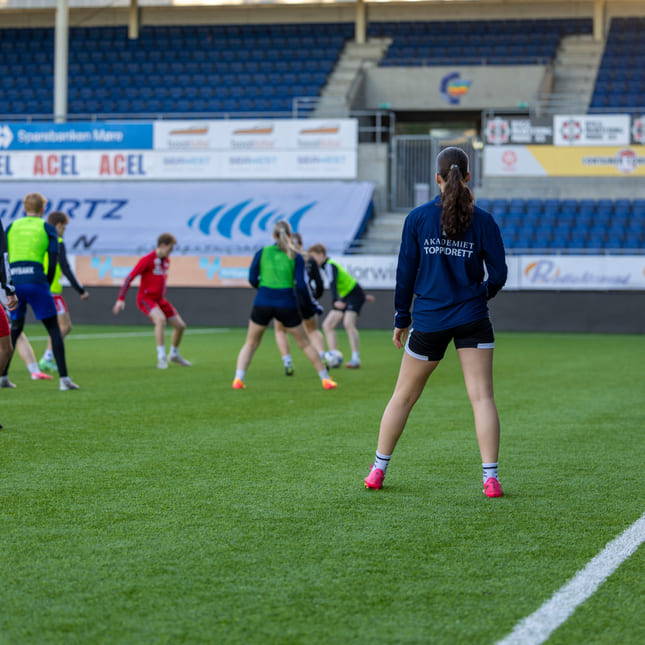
(131, 334)
(537, 627)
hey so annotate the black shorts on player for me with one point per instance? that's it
(264, 315)
(354, 300)
(431, 345)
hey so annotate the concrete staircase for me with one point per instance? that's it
(383, 235)
(338, 95)
(574, 74)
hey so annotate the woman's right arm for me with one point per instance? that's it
(406, 273)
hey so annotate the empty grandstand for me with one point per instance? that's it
(446, 65)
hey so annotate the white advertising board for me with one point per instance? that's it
(529, 272)
(206, 217)
(163, 150)
(135, 165)
(591, 130)
(581, 272)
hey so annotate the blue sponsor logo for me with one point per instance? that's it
(76, 136)
(244, 218)
(214, 267)
(105, 268)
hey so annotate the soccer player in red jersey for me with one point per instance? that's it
(151, 299)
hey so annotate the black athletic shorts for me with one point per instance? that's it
(306, 309)
(354, 300)
(431, 345)
(264, 315)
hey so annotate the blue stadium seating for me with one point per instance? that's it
(180, 58)
(620, 81)
(569, 225)
(475, 42)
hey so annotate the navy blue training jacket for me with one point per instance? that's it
(448, 277)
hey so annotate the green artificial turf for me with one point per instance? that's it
(164, 507)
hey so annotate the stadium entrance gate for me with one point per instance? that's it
(412, 168)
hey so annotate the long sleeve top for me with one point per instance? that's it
(5, 273)
(277, 278)
(450, 281)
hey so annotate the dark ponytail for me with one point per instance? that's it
(457, 199)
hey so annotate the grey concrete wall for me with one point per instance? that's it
(419, 88)
(547, 311)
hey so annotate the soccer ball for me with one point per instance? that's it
(334, 358)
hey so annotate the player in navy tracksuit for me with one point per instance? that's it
(451, 262)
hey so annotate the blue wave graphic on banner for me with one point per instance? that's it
(227, 221)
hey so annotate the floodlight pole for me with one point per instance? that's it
(60, 60)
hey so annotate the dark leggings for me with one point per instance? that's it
(51, 324)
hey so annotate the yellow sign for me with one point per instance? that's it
(623, 161)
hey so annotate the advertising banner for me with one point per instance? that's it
(206, 217)
(217, 150)
(372, 271)
(591, 130)
(587, 130)
(93, 135)
(510, 130)
(378, 272)
(581, 272)
(552, 161)
(150, 165)
(185, 271)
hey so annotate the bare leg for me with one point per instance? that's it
(315, 335)
(252, 342)
(413, 376)
(477, 366)
(349, 322)
(178, 327)
(25, 350)
(281, 338)
(300, 336)
(330, 323)
(159, 321)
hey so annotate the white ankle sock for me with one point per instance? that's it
(381, 461)
(490, 470)
(161, 352)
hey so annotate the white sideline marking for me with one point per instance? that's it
(537, 627)
(130, 334)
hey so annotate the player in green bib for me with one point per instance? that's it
(59, 221)
(29, 239)
(347, 298)
(278, 272)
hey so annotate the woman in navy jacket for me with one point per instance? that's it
(451, 262)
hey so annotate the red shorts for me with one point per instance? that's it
(61, 306)
(4, 324)
(146, 305)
